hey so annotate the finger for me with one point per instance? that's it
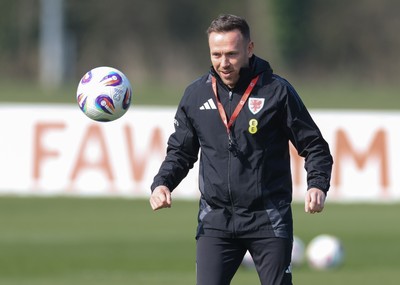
(319, 205)
(312, 207)
(153, 204)
(316, 207)
(168, 201)
(307, 203)
(160, 201)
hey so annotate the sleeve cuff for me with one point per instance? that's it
(322, 184)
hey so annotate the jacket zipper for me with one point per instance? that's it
(229, 175)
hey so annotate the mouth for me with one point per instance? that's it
(226, 73)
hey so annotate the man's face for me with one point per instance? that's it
(229, 52)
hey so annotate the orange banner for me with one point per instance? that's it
(56, 150)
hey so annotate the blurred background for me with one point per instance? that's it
(161, 45)
(340, 55)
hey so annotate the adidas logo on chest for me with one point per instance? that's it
(208, 105)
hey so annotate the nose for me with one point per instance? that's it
(225, 61)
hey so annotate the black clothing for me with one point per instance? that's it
(217, 259)
(245, 192)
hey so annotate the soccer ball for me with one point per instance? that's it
(298, 252)
(325, 252)
(247, 261)
(104, 94)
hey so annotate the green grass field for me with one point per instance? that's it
(60, 241)
(64, 241)
(331, 95)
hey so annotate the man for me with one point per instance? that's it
(242, 117)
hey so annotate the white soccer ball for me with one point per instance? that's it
(325, 252)
(104, 94)
(247, 261)
(298, 252)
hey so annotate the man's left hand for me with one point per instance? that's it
(314, 201)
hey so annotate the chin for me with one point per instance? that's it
(227, 81)
(230, 84)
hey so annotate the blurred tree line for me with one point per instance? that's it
(166, 40)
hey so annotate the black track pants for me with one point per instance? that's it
(218, 259)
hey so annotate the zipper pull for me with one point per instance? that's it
(230, 95)
(232, 146)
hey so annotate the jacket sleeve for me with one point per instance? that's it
(308, 141)
(182, 153)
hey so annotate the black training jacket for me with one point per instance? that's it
(245, 192)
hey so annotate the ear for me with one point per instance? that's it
(250, 49)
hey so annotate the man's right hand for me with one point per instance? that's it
(160, 198)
